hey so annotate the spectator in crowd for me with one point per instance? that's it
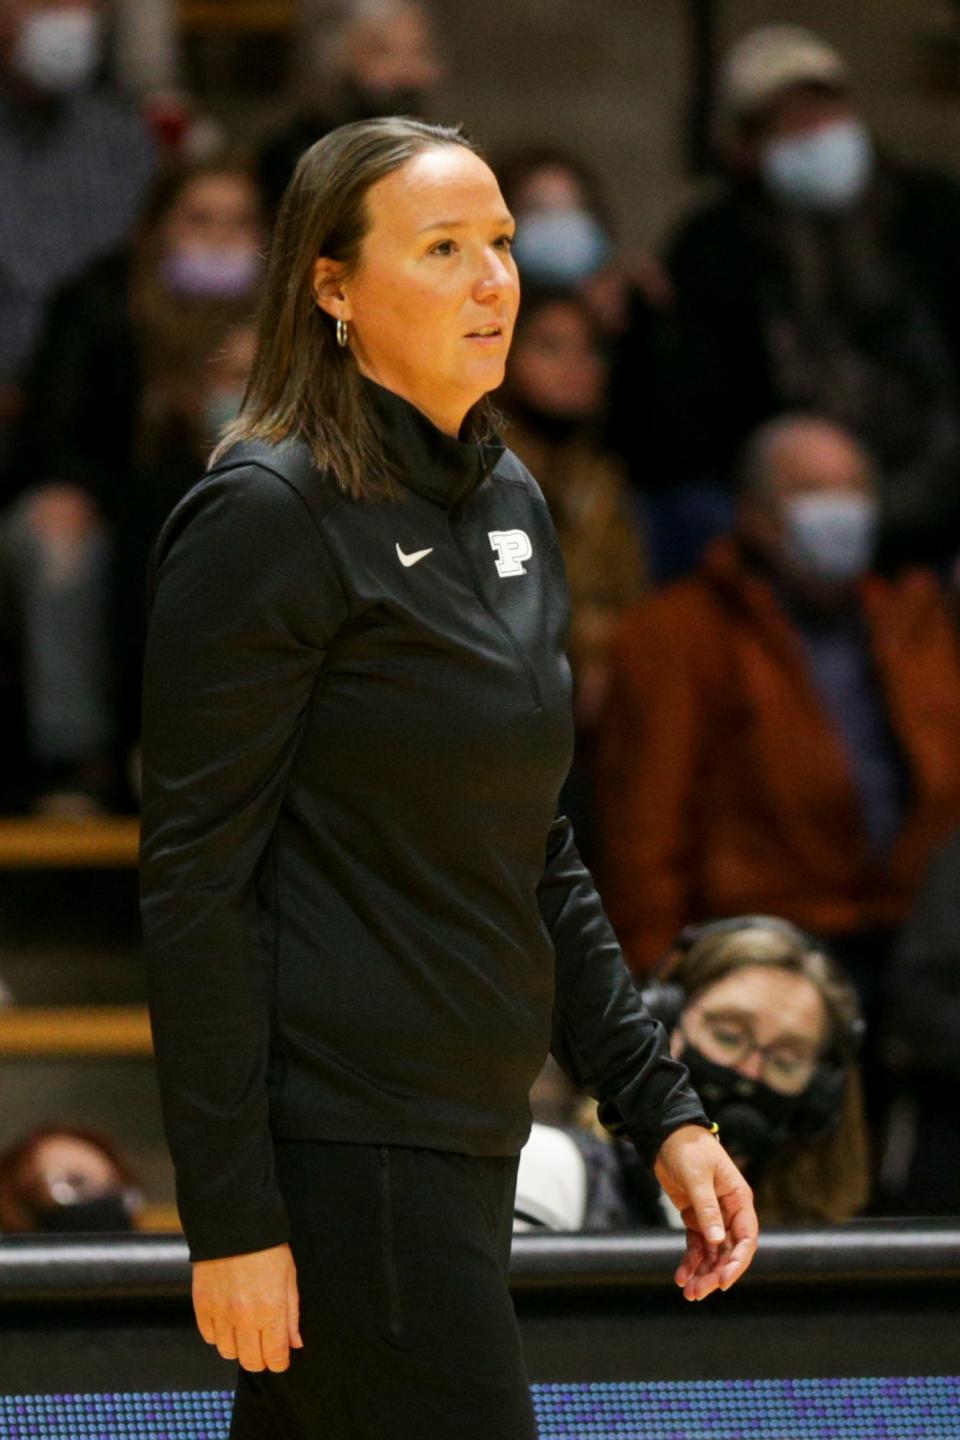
(66, 1177)
(782, 729)
(920, 1172)
(770, 1029)
(554, 399)
(74, 166)
(564, 225)
(566, 236)
(125, 344)
(566, 240)
(822, 277)
(380, 57)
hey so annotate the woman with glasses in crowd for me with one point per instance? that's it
(769, 1028)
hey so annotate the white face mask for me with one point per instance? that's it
(58, 50)
(560, 247)
(831, 537)
(826, 170)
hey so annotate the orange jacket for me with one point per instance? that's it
(722, 785)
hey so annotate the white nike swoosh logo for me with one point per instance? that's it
(412, 559)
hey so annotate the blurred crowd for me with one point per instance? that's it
(750, 444)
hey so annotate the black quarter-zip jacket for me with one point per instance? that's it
(363, 919)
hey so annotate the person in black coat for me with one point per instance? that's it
(364, 920)
(381, 58)
(126, 345)
(821, 275)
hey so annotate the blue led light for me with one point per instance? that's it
(897, 1408)
(914, 1408)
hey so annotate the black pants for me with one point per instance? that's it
(407, 1324)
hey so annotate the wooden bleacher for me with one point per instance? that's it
(159, 1215)
(40, 844)
(74, 1032)
(237, 17)
(77, 1032)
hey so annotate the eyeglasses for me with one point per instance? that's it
(726, 1041)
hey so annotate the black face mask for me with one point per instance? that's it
(109, 1211)
(754, 1120)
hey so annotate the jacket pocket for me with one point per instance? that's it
(393, 1313)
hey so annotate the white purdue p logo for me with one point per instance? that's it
(512, 547)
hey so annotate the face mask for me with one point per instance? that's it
(753, 1119)
(113, 1210)
(825, 170)
(560, 247)
(220, 410)
(58, 50)
(225, 274)
(831, 537)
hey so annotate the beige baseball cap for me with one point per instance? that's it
(771, 59)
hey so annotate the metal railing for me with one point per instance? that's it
(113, 1269)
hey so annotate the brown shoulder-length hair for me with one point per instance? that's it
(302, 382)
(825, 1180)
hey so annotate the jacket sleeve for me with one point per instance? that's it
(244, 602)
(603, 1036)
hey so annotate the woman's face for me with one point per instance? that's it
(65, 1167)
(432, 304)
(762, 1006)
(556, 366)
(214, 212)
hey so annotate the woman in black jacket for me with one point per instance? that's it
(364, 922)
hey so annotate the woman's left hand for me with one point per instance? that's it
(717, 1208)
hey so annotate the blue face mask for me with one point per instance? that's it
(831, 537)
(829, 169)
(560, 247)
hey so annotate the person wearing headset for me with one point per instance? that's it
(769, 1029)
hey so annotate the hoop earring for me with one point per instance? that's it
(342, 334)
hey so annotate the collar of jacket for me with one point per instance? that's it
(900, 614)
(437, 466)
(731, 568)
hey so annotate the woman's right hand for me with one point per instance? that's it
(249, 1307)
